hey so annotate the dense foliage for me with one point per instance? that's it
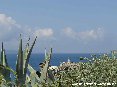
(102, 69)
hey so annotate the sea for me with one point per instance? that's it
(56, 59)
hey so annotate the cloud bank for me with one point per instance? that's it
(87, 35)
(9, 29)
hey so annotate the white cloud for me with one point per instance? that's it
(6, 21)
(46, 32)
(70, 32)
(93, 34)
(8, 27)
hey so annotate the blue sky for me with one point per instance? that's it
(69, 26)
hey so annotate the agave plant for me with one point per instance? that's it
(45, 76)
(5, 72)
(45, 66)
(22, 62)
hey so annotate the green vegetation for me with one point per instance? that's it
(97, 69)
(102, 69)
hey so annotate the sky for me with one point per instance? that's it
(68, 26)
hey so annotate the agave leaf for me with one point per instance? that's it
(19, 65)
(26, 56)
(34, 72)
(28, 53)
(5, 72)
(44, 69)
(33, 77)
(45, 53)
(11, 70)
(3, 57)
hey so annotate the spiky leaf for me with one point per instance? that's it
(19, 65)
(27, 55)
(5, 72)
(44, 69)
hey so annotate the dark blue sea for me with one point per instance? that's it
(36, 59)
